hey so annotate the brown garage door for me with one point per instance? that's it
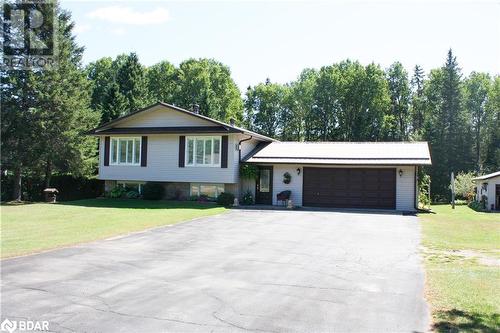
(349, 188)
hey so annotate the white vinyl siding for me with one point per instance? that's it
(163, 164)
(405, 184)
(405, 188)
(162, 116)
(203, 151)
(125, 151)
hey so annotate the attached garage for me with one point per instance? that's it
(378, 175)
(350, 187)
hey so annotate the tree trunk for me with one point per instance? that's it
(48, 173)
(17, 184)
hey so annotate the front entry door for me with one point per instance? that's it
(264, 186)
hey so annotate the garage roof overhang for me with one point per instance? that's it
(343, 153)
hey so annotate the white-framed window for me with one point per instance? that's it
(203, 151)
(125, 151)
(212, 191)
(131, 185)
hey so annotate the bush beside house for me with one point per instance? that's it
(70, 188)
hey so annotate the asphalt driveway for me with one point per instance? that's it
(262, 271)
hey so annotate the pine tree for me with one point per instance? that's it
(477, 87)
(131, 78)
(45, 113)
(417, 100)
(399, 91)
(63, 108)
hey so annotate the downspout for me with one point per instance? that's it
(239, 146)
(415, 189)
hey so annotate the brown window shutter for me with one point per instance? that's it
(224, 154)
(144, 151)
(106, 150)
(182, 150)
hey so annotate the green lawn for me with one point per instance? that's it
(35, 227)
(464, 292)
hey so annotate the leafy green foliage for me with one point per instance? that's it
(264, 104)
(132, 194)
(399, 91)
(247, 198)
(464, 186)
(424, 187)
(45, 113)
(117, 192)
(248, 171)
(153, 191)
(225, 199)
(208, 83)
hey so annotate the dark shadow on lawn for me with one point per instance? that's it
(460, 321)
(138, 204)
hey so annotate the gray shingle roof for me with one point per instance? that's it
(488, 176)
(344, 153)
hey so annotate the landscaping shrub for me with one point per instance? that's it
(247, 198)
(132, 194)
(476, 205)
(117, 192)
(203, 198)
(424, 187)
(70, 187)
(464, 186)
(153, 191)
(225, 199)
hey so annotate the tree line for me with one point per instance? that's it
(46, 113)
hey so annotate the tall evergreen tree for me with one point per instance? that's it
(131, 78)
(54, 104)
(417, 101)
(477, 87)
(491, 144)
(447, 128)
(399, 91)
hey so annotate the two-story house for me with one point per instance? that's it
(192, 155)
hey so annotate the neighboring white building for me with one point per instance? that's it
(489, 186)
(192, 155)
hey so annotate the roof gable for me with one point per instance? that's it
(165, 118)
(158, 115)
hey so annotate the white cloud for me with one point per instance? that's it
(81, 28)
(118, 31)
(127, 15)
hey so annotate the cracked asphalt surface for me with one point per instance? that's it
(261, 271)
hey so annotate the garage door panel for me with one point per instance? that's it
(350, 188)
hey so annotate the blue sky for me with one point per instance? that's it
(259, 39)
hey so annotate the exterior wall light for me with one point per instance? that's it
(400, 172)
(298, 171)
